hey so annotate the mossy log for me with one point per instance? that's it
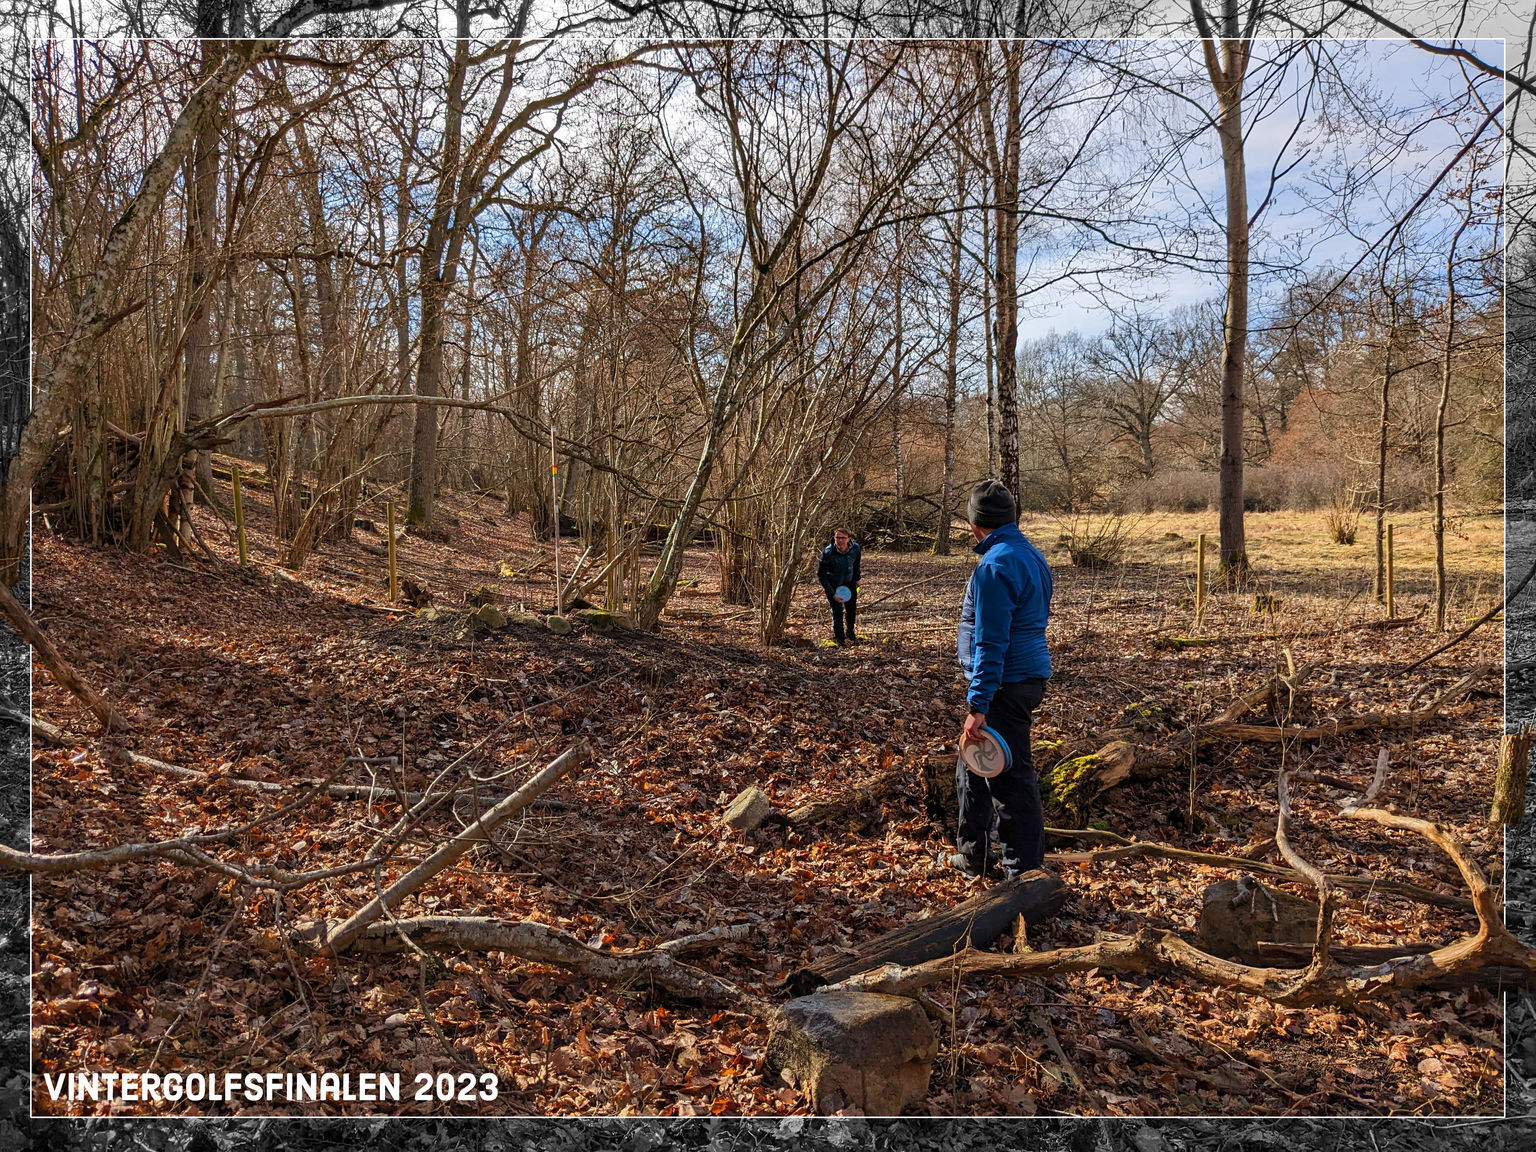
(1072, 784)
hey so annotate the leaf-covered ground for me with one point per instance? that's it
(262, 676)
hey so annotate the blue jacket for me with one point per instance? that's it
(1002, 623)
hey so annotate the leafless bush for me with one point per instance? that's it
(1343, 517)
(1098, 541)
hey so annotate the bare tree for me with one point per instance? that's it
(1226, 62)
(1137, 382)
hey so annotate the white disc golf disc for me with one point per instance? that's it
(985, 756)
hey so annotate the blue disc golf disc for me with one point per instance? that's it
(987, 755)
(842, 592)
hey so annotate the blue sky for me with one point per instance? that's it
(1406, 76)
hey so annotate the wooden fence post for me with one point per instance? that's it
(1199, 578)
(1391, 600)
(394, 574)
(234, 476)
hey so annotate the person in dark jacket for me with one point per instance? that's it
(1002, 649)
(839, 568)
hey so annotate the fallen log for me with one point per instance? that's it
(855, 800)
(1493, 977)
(974, 924)
(1160, 950)
(1325, 979)
(1173, 643)
(1085, 776)
(1281, 696)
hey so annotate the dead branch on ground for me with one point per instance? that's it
(542, 944)
(339, 938)
(24, 626)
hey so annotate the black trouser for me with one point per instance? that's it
(1021, 823)
(841, 611)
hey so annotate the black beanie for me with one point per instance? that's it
(991, 505)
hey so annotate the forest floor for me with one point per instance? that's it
(251, 674)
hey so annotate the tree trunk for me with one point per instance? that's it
(436, 271)
(1509, 783)
(991, 352)
(1380, 586)
(1227, 73)
(1006, 275)
(897, 383)
(951, 385)
(332, 377)
(658, 590)
(202, 210)
(1440, 411)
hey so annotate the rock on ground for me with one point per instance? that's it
(855, 1050)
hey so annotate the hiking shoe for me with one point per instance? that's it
(967, 867)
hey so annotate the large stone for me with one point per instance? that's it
(750, 808)
(595, 618)
(1237, 914)
(486, 618)
(527, 619)
(855, 1050)
(559, 625)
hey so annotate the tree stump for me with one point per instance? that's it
(1238, 914)
(855, 1049)
(1509, 784)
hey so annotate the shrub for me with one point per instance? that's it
(1098, 541)
(1343, 518)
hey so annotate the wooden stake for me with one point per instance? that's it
(234, 479)
(1199, 578)
(554, 501)
(1509, 784)
(389, 534)
(1391, 602)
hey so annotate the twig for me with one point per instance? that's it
(340, 938)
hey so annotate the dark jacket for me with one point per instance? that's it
(1002, 622)
(839, 567)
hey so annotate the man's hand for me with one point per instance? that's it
(973, 726)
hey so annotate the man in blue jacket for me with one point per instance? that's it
(839, 567)
(1002, 649)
